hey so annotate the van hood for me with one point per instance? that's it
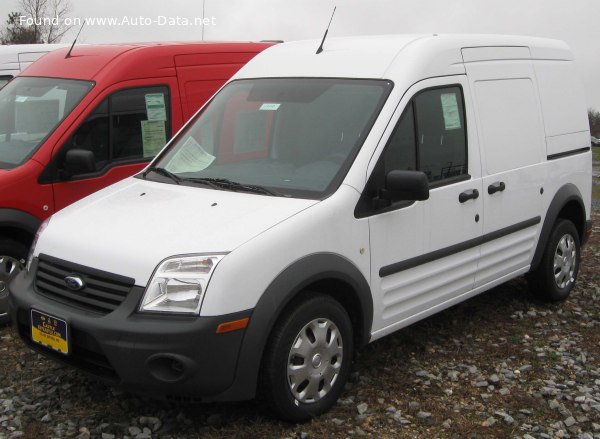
(130, 227)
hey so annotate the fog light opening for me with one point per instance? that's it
(169, 368)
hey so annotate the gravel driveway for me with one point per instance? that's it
(499, 365)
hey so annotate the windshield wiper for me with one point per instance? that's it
(164, 173)
(225, 183)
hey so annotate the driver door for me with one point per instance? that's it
(424, 253)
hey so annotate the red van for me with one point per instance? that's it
(75, 122)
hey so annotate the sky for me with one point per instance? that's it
(575, 21)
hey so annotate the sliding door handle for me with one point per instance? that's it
(499, 186)
(468, 195)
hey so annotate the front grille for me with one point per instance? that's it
(102, 292)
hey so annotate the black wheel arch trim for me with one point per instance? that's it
(564, 195)
(17, 219)
(282, 290)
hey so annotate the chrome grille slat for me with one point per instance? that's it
(101, 293)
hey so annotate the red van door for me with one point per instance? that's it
(124, 131)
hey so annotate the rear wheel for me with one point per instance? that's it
(308, 359)
(12, 260)
(555, 277)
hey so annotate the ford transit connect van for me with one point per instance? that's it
(16, 58)
(78, 121)
(319, 202)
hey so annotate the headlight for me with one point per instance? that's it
(179, 284)
(34, 243)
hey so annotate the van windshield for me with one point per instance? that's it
(294, 137)
(30, 109)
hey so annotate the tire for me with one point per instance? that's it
(555, 277)
(12, 260)
(313, 337)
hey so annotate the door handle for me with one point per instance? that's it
(499, 186)
(468, 195)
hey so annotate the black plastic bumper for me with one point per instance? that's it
(158, 355)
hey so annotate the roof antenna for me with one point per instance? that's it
(73, 45)
(320, 49)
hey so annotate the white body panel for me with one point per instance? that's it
(122, 231)
(423, 228)
(326, 227)
(130, 227)
(511, 136)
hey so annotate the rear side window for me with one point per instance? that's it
(128, 126)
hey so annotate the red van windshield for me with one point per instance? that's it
(31, 109)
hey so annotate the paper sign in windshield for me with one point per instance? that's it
(154, 136)
(450, 109)
(191, 157)
(270, 107)
(155, 106)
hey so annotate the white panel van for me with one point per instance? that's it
(317, 203)
(15, 58)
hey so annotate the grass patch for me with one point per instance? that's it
(596, 153)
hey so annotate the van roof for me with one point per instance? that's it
(135, 60)
(387, 56)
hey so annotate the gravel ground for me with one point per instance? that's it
(500, 365)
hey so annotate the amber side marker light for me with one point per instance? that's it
(233, 326)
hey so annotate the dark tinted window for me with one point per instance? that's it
(93, 135)
(430, 136)
(401, 152)
(441, 133)
(129, 125)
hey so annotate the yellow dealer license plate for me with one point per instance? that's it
(50, 331)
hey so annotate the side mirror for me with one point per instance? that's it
(406, 186)
(79, 161)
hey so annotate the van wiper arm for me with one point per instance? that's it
(164, 173)
(225, 183)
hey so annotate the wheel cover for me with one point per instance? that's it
(9, 268)
(315, 360)
(565, 260)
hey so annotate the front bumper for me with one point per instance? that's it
(158, 355)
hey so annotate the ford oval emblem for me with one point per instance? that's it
(74, 283)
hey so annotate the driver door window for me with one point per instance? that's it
(431, 136)
(128, 126)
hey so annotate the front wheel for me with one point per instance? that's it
(555, 277)
(12, 261)
(308, 359)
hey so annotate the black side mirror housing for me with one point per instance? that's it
(406, 186)
(79, 161)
